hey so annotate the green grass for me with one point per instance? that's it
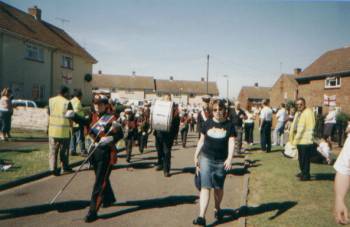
(29, 157)
(274, 188)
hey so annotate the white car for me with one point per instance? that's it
(24, 103)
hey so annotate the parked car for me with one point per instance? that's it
(24, 103)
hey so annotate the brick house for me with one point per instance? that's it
(284, 89)
(36, 57)
(124, 87)
(326, 82)
(186, 91)
(253, 94)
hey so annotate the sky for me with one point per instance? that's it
(249, 41)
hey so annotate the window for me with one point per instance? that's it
(67, 62)
(332, 82)
(42, 92)
(34, 52)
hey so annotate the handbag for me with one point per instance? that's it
(197, 180)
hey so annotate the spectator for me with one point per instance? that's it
(237, 116)
(213, 158)
(301, 135)
(5, 113)
(249, 125)
(265, 122)
(59, 133)
(329, 122)
(279, 128)
(342, 181)
(77, 136)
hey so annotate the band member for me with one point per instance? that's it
(164, 142)
(105, 132)
(184, 126)
(143, 126)
(130, 131)
(204, 114)
(176, 122)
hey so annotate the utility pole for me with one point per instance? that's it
(207, 74)
(227, 88)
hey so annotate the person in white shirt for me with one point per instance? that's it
(249, 125)
(329, 122)
(279, 129)
(342, 182)
(265, 121)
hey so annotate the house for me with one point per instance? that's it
(186, 91)
(326, 82)
(36, 57)
(124, 87)
(253, 94)
(284, 89)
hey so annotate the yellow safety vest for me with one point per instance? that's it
(77, 108)
(59, 126)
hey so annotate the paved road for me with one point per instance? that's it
(144, 196)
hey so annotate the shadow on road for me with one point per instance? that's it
(150, 204)
(44, 208)
(176, 171)
(245, 211)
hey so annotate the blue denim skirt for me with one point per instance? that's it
(213, 173)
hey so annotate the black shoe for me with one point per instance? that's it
(166, 174)
(128, 160)
(219, 215)
(91, 217)
(74, 154)
(199, 221)
(159, 167)
(305, 178)
(56, 172)
(67, 170)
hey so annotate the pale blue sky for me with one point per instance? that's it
(246, 40)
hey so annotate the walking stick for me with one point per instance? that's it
(77, 171)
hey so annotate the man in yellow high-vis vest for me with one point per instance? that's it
(59, 130)
(77, 129)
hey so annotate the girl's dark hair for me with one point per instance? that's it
(221, 105)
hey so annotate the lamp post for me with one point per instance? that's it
(208, 74)
(227, 84)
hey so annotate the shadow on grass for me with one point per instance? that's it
(150, 204)
(323, 176)
(245, 211)
(22, 150)
(44, 208)
(29, 139)
(238, 171)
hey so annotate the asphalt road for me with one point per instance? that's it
(144, 196)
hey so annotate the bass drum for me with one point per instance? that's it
(162, 115)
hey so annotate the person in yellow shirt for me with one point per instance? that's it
(59, 130)
(77, 129)
(302, 136)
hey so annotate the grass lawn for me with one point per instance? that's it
(28, 155)
(277, 198)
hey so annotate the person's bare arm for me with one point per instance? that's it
(228, 161)
(341, 187)
(198, 150)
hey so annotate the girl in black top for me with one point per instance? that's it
(215, 148)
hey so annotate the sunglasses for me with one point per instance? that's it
(216, 110)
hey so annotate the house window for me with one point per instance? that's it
(332, 82)
(42, 92)
(67, 62)
(34, 52)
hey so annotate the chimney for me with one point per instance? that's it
(171, 78)
(202, 79)
(35, 12)
(297, 71)
(99, 72)
(256, 84)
